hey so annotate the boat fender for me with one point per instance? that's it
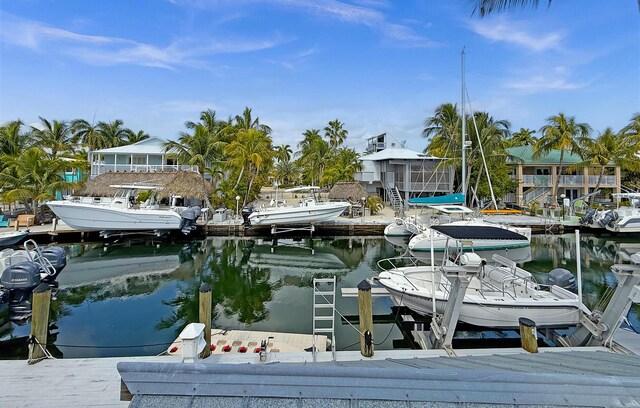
(242, 349)
(173, 349)
(257, 350)
(368, 342)
(226, 348)
(213, 347)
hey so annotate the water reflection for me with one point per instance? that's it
(142, 293)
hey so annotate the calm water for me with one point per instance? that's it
(131, 298)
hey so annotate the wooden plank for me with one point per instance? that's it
(353, 292)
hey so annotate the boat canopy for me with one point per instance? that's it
(469, 232)
(136, 187)
(457, 198)
(303, 188)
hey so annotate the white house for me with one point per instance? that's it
(396, 172)
(142, 157)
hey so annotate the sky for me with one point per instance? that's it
(376, 65)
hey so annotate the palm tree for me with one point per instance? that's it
(445, 130)
(283, 153)
(560, 133)
(33, 176)
(246, 122)
(335, 133)
(12, 140)
(486, 7)
(634, 126)
(343, 168)
(313, 155)
(114, 133)
(132, 137)
(286, 172)
(610, 148)
(252, 152)
(196, 150)
(55, 136)
(523, 137)
(89, 135)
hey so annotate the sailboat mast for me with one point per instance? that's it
(464, 127)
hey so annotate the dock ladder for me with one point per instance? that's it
(324, 310)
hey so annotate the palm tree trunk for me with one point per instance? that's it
(204, 190)
(239, 178)
(554, 193)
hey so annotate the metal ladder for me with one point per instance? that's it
(324, 301)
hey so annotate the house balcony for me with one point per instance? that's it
(535, 180)
(365, 176)
(100, 168)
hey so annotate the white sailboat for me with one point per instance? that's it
(497, 295)
(121, 213)
(307, 211)
(482, 235)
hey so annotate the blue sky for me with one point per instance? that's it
(377, 65)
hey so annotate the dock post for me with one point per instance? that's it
(366, 318)
(528, 335)
(39, 323)
(205, 317)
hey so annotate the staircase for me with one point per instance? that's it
(535, 194)
(324, 310)
(396, 199)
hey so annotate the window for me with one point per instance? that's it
(139, 160)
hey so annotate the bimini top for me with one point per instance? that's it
(136, 187)
(457, 198)
(452, 209)
(303, 188)
(467, 232)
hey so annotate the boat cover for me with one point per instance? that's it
(457, 198)
(467, 232)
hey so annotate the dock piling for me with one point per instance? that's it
(205, 317)
(366, 318)
(39, 323)
(528, 335)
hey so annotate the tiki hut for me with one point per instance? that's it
(347, 190)
(186, 184)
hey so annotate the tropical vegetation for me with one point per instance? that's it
(238, 157)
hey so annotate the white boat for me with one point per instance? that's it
(8, 238)
(497, 295)
(481, 235)
(121, 214)
(307, 211)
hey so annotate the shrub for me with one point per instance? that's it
(375, 204)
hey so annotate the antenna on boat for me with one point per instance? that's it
(464, 125)
(578, 268)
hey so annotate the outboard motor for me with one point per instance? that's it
(189, 217)
(246, 212)
(20, 280)
(608, 219)
(587, 218)
(563, 278)
(58, 259)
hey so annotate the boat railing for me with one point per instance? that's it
(398, 262)
(33, 251)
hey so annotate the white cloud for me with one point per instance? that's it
(104, 50)
(514, 32)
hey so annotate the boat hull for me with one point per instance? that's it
(12, 237)
(396, 229)
(298, 215)
(91, 217)
(422, 242)
(559, 309)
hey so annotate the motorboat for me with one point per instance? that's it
(120, 213)
(497, 296)
(415, 224)
(8, 238)
(307, 211)
(23, 270)
(482, 235)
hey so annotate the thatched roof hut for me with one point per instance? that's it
(187, 184)
(347, 190)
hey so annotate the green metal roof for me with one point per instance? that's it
(525, 155)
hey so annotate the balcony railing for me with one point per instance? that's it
(99, 168)
(365, 176)
(567, 180)
(537, 180)
(606, 180)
